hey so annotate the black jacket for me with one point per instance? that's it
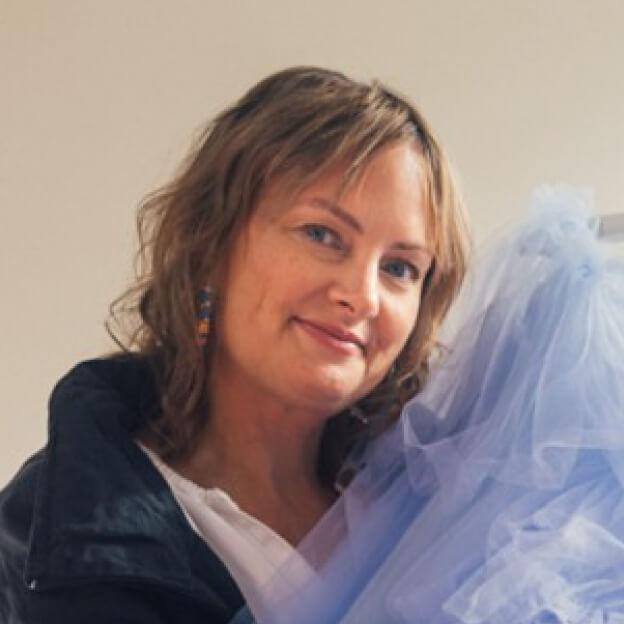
(89, 530)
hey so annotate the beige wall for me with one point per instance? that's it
(99, 99)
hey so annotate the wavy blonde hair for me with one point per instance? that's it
(295, 124)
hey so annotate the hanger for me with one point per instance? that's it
(610, 228)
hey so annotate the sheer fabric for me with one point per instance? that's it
(499, 496)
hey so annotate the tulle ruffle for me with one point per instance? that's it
(499, 497)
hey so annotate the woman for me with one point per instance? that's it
(294, 276)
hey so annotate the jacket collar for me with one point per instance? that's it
(102, 510)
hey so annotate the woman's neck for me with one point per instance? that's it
(264, 455)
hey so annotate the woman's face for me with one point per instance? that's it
(322, 293)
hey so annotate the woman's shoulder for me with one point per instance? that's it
(89, 495)
(122, 384)
(117, 371)
(95, 400)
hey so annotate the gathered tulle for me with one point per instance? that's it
(499, 496)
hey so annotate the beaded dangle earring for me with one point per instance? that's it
(204, 315)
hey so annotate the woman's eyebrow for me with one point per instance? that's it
(350, 220)
(402, 246)
(339, 212)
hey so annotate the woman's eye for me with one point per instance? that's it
(322, 235)
(402, 270)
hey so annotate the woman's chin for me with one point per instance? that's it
(329, 393)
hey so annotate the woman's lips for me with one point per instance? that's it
(332, 337)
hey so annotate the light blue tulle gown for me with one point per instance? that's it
(499, 496)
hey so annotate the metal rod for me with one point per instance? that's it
(611, 227)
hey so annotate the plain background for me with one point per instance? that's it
(99, 101)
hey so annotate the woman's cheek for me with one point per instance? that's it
(404, 321)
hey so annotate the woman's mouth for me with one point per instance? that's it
(333, 337)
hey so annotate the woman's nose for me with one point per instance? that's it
(356, 288)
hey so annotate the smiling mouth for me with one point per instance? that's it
(332, 338)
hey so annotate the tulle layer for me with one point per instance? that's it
(499, 497)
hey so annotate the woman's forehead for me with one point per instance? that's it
(348, 175)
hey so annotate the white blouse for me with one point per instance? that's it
(251, 551)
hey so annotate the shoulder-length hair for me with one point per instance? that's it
(295, 124)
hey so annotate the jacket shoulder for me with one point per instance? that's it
(95, 601)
